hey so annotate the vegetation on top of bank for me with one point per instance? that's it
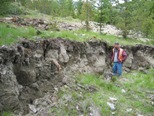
(10, 34)
(129, 15)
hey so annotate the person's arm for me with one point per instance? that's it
(124, 54)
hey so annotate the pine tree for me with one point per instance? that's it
(104, 13)
(87, 13)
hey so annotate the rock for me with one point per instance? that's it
(111, 105)
(69, 26)
(99, 63)
(63, 57)
(1, 107)
(106, 29)
(91, 88)
(95, 111)
(35, 86)
(52, 54)
(137, 114)
(123, 91)
(3, 72)
(129, 61)
(127, 70)
(144, 39)
(54, 99)
(32, 108)
(66, 80)
(112, 99)
(129, 110)
(9, 91)
(83, 34)
(56, 89)
(152, 103)
(141, 69)
(152, 98)
(25, 75)
(108, 76)
(142, 58)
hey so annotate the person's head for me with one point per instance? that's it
(116, 45)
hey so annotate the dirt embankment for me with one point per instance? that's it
(30, 69)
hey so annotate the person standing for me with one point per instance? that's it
(118, 57)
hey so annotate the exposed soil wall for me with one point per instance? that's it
(30, 69)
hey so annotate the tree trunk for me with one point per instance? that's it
(87, 17)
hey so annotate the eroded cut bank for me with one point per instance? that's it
(30, 69)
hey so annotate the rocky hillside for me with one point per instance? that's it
(31, 69)
(46, 23)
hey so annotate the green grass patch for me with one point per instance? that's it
(10, 33)
(5, 114)
(83, 35)
(135, 83)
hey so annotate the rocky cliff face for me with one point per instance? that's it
(30, 69)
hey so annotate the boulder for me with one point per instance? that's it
(25, 75)
(63, 56)
(9, 91)
(111, 105)
(52, 54)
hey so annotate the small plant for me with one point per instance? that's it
(5, 114)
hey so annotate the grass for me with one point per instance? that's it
(5, 114)
(82, 35)
(11, 34)
(136, 84)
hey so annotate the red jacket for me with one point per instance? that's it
(122, 56)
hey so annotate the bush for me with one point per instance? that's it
(10, 8)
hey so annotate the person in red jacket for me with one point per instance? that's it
(118, 57)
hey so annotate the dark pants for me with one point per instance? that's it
(117, 68)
